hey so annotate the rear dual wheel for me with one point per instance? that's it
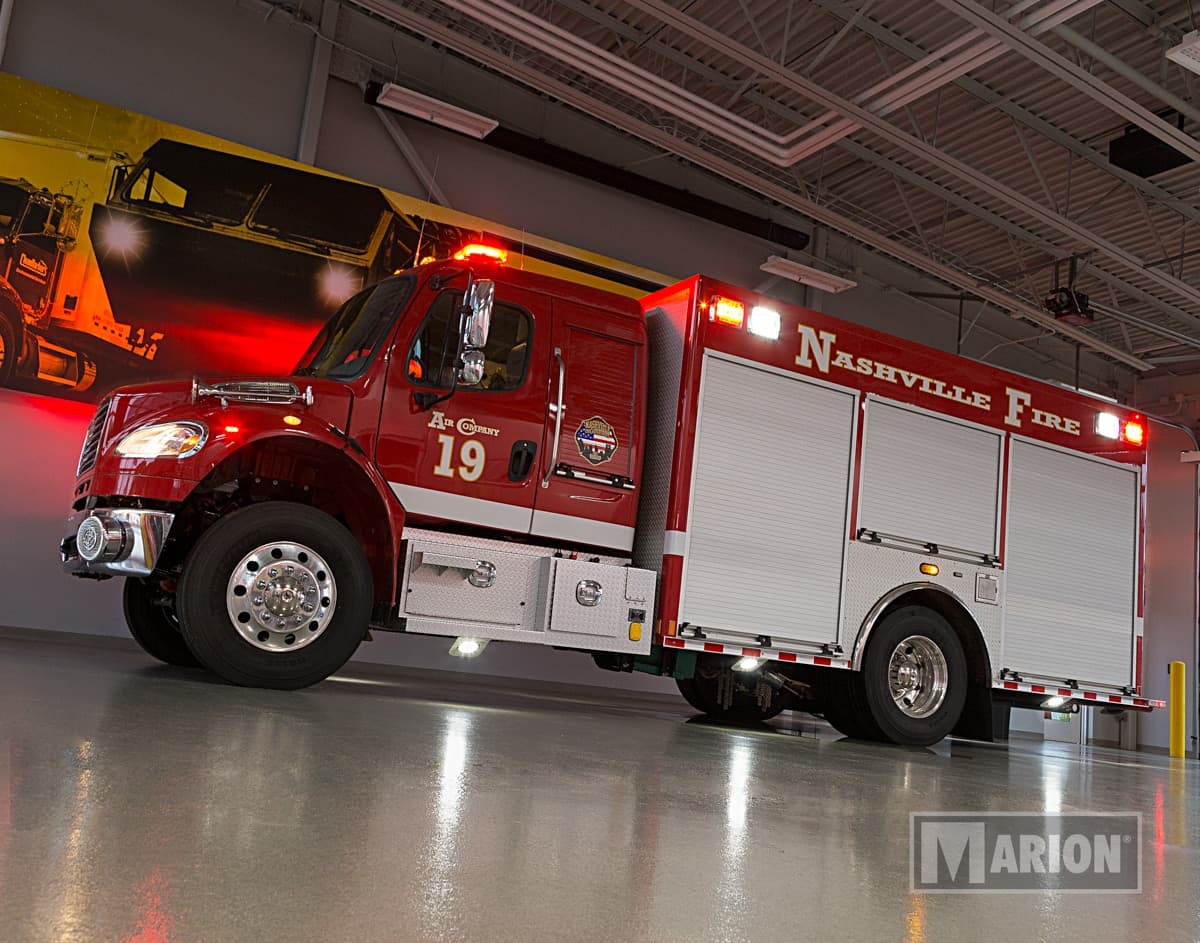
(912, 685)
(715, 682)
(275, 595)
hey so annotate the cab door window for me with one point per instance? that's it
(431, 360)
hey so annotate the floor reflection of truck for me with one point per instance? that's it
(212, 260)
(47, 336)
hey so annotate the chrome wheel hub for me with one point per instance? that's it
(918, 676)
(281, 596)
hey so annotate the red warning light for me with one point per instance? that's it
(479, 251)
(1134, 432)
(726, 311)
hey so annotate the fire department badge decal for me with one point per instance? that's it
(597, 440)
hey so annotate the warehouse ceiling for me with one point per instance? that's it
(969, 141)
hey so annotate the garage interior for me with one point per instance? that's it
(1015, 183)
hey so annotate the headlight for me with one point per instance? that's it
(166, 440)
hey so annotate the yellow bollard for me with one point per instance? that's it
(1177, 705)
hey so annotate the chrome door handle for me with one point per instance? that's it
(558, 409)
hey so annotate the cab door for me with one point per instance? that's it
(471, 458)
(587, 488)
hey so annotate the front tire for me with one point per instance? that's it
(153, 626)
(275, 595)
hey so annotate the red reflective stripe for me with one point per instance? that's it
(822, 661)
(752, 652)
(1090, 695)
(1141, 702)
(1011, 685)
(1114, 698)
(712, 647)
(787, 656)
(1065, 692)
(1039, 689)
(1137, 670)
(673, 642)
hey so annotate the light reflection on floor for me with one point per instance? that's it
(142, 804)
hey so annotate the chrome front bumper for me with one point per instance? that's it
(114, 541)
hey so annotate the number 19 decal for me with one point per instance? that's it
(471, 456)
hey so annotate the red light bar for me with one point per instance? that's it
(726, 311)
(479, 251)
(1134, 432)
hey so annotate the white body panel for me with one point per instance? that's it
(532, 597)
(930, 478)
(768, 521)
(1071, 561)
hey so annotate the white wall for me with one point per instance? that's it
(225, 67)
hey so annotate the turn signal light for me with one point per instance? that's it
(727, 311)
(479, 251)
(1134, 432)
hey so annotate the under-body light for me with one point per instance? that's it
(468, 647)
(747, 663)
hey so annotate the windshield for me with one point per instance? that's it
(345, 345)
(12, 202)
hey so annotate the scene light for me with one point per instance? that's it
(1108, 425)
(406, 101)
(764, 322)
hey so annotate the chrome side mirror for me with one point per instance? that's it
(478, 320)
(471, 370)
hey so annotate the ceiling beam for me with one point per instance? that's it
(1078, 78)
(539, 80)
(974, 87)
(914, 145)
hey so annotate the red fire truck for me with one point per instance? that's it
(778, 509)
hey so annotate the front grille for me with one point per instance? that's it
(91, 442)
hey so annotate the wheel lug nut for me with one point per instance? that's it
(258, 600)
(266, 618)
(273, 572)
(308, 607)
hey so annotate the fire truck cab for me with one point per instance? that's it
(777, 509)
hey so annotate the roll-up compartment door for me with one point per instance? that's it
(929, 478)
(1071, 562)
(767, 528)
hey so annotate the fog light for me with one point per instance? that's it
(747, 663)
(468, 647)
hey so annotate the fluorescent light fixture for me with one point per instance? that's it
(1108, 425)
(764, 322)
(406, 101)
(1054, 702)
(747, 663)
(1187, 53)
(468, 647)
(806, 274)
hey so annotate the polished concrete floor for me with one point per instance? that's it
(141, 804)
